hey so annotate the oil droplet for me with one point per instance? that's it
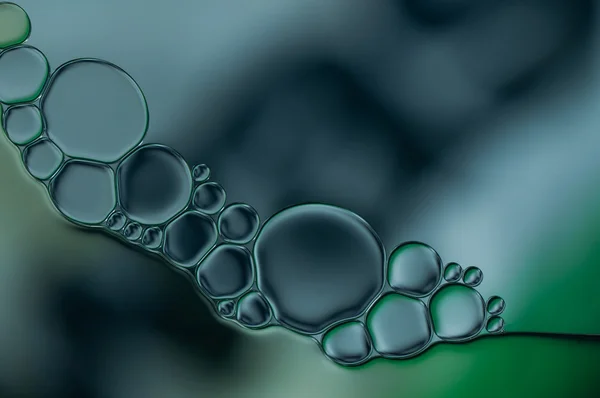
(23, 74)
(347, 344)
(23, 124)
(473, 276)
(318, 264)
(15, 25)
(495, 325)
(226, 271)
(209, 197)
(154, 184)
(452, 272)
(201, 173)
(42, 159)
(414, 268)
(152, 238)
(496, 305)
(94, 110)
(116, 221)
(458, 312)
(399, 326)
(226, 308)
(132, 231)
(84, 191)
(253, 311)
(189, 237)
(238, 223)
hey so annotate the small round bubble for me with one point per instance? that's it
(253, 311)
(347, 344)
(414, 268)
(473, 276)
(132, 231)
(15, 25)
(201, 173)
(23, 74)
(458, 312)
(116, 221)
(496, 305)
(42, 159)
(226, 308)
(189, 237)
(238, 223)
(452, 272)
(23, 124)
(152, 237)
(495, 325)
(209, 197)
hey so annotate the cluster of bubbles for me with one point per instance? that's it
(315, 269)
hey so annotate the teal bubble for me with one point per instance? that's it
(414, 268)
(347, 344)
(152, 238)
(132, 231)
(23, 124)
(201, 173)
(253, 311)
(457, 312)
(209, 198)
(23, 74)
(116, 221)
(452, 272)
(238, 223)
(473, 276)
(42, 159)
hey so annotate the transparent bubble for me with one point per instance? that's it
(226, 308)
(23, 124)
(452, 272)
(209, 197)
(15, 25)
(188, 238)
(132, 231)
(473, 276)
(94, 110)
(23, 74)
(496, 305)
(201, 173)
(152, 238)
(226, 271)
(42, 159)
(116, 221)
(253, 311)
(399, 326)
(154, 184)
(347, 344)
(84, 191)
(317, 265)
(414, 268)
(238, 223)
(458, 312)
(495, 325)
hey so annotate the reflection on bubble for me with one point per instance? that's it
(209, 197)
(188, 238)
(238, 223)
(253, 311)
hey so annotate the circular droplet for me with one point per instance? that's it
(473, 276)
(189, 237)
(15, 25)
(226, 308)
(496, 305)
(132, 231)
(347, 344)
(201, 173)
(42, 159)
(94, 110)
(414, 268)
(458, 312)
(116, 221)
(23, 74)
(84, 191)
(238, 223)
(152, 238)
(209, 197)
(23, 124)
(226, 271)
(452, 272)
(399, 326)
(495, 324)
(154, 184)
(253, 311)
(317, 265)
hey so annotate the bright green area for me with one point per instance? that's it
(14, 25)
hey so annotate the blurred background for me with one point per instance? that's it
(471, 125)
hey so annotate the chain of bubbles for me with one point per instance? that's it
(80, 132)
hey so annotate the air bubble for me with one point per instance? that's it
(152, 238)
(154, 184)
(132, 231)
(23, 124)
(201, 173)
(42, 159)
(23, 74)
(15, 25)
(116, 221)
(414, 268)
(452, 272)
(253, 311)
(317, 265)
(399, 326)
(458, 312)
(226, 308)
(238, 223)
(473, 276)
(94, 110)
(84, 191)
(226, 271)
(189, 237)
(347, 344)
(495, 305)
(495, 325)
(209, 197)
